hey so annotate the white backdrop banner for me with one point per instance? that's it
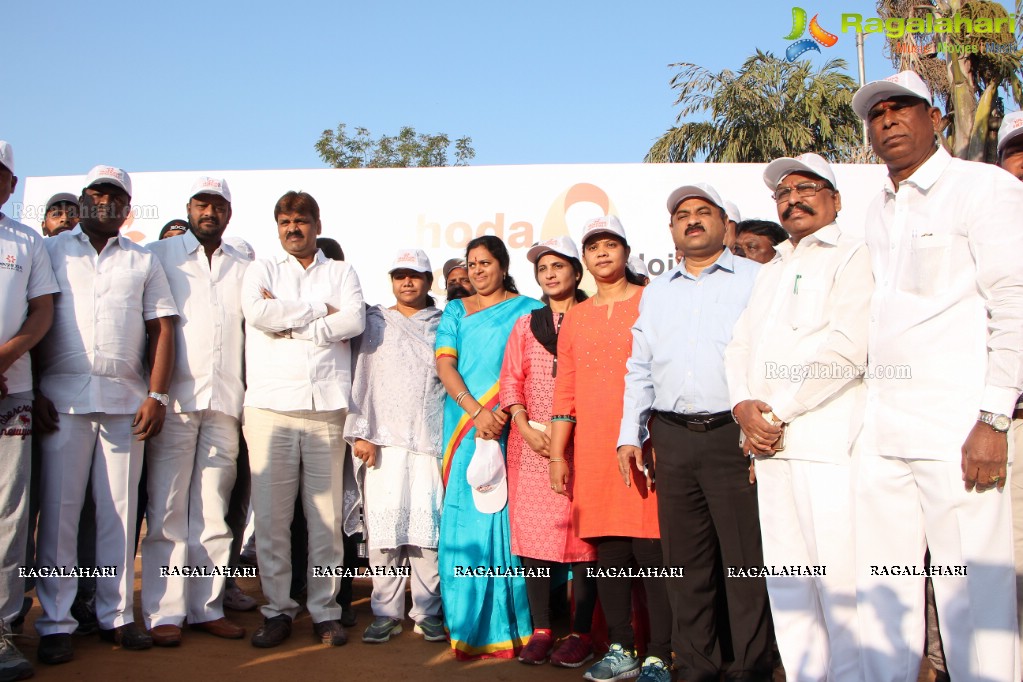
(374, 212)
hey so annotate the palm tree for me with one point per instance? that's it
(769, 108)
(968, 82)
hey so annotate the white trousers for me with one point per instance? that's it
(388, 597)
(293, 453)
(191, 469)
(900, 506)
(806, 520)
(101, 446)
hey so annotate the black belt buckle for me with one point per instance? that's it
(698, 427)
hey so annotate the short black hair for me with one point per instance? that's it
(330, 248)
(765, 228)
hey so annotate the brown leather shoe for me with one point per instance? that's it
(221, 627)
(166, 635)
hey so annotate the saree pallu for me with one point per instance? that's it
(485, 608)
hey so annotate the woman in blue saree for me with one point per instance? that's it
(486, 612)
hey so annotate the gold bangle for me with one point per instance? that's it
(555, 460)
(517, 413)
(477, 413)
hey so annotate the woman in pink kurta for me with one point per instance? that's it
(540, 518)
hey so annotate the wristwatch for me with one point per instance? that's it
(161, 398)
(998, 422)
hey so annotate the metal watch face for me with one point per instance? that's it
(1001, 422)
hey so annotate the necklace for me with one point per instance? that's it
(479, 301)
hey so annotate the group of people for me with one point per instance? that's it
(753, 451)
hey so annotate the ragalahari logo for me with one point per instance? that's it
(804, 45)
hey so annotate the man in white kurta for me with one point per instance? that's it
(114, 308)
(798, 351)
(944, 239)
(301, 308)
(192, 463)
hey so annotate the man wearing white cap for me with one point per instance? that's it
(944, 371)
(795, 366)
(26, 312)
(706, 506)
(192, 463)
(301, 309)
(395, 425)
(114, 306)
(1010, 144)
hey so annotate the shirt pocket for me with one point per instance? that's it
(806, 305)
(928, 266)
(124, 289)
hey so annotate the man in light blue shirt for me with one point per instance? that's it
(676, 393)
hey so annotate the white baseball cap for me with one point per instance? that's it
(636, 264)
(488, 477)
(732, 211)
(7, 155)
(607, 223)
(902, 84)
(411, 259)
(563, 246)
(61, 198)
(1012, 126)
(208, 185)
(813, 164)
(108, 175)
(699, 189)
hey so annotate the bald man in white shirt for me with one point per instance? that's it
(192, 463)
(301, 309)
(944, 240)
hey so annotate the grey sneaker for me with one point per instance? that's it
(654, 670)
(381, 630)
(13, 664)
(432, 629)
(618, 663)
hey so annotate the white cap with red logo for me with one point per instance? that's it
(1012, 126)
(902, 84)
(700, 190)
(488, 477)
(108, 175)
(813, 164)
(563, 246)
(208, 185)
(609, 224)
(411, 259)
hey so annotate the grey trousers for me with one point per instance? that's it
(15, 475)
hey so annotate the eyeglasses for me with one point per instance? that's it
(803, 189)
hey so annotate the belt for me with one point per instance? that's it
(697, 422)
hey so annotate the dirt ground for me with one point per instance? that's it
(302, 657)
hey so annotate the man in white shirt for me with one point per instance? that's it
(944, 240)
(1010, 158)
(301, 308)
(26, 312)
(114, 304)
(798, 351)
(192, 463)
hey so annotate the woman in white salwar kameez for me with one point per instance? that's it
(395, 425)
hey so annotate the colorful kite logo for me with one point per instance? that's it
(819, 35)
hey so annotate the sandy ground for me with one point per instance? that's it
(302, 657)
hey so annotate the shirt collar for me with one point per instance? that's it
(122, 241)
(726, 261)
(926, 175)
(284, 257)
(828, 234)
(190, 242)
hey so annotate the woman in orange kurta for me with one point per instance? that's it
(593, 346)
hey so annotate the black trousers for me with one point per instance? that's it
(616, 593)
(710, 520)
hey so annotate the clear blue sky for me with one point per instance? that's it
(192, 85)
